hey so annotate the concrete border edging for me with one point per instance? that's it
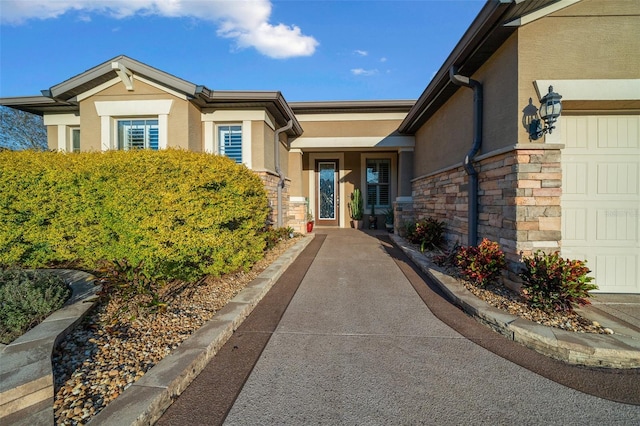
(26, 373)
(593, 350)
(145, 400)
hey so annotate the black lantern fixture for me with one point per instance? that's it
(550, 109)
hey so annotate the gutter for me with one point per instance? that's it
(475, 147)
(276, 147)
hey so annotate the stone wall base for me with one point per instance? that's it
(519, 201)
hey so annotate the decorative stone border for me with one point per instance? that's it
(26, 374)
(594, 350)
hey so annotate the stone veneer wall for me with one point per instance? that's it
(297, 218)
(519, 200)
(270, 181)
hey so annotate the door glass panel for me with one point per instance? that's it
(327, 190)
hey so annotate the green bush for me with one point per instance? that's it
(428, 233)
(27, 298)
(553, 283)
(482, 264)
(175, 214)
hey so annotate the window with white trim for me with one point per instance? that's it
(138, 134)
(230, 142)
(75, 139)
(379, 182)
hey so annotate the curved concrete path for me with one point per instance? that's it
(357, 345)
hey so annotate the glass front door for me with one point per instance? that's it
(327, 193)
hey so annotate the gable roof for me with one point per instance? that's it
(61, 98)
(495, 23)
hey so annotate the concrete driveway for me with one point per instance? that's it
(358, 345)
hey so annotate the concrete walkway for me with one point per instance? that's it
(357, 345)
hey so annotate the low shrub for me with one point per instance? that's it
(553, 283)
(27, 298)
(482, 264)
(428, 233)
(173, 214)
(273, 236)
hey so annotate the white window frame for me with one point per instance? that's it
(244, 152)
(72, 130)
(393, 176)
(112, 111)
(146, 141)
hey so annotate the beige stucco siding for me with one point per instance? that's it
(52, 137)
(194, 133)
(574, 43)
(261, 146)
(349, 128)
(444, 140)
(181, 121)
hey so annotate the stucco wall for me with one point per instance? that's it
(179, 123)
(260, 145)
(444, 140)
(52, 137)
(356, 128)
(195, 130)
(592, 39)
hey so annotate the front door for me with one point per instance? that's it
(327, 193)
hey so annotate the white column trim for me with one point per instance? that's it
(163, 133)
(62, 138)
(247, 141)
(209, 137)
(105, 133)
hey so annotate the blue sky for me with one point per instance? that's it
(309, 50)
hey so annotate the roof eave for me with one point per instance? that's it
(178, 84)
(496, 21)
(272, 100)
(38, 104)
(369, 106)
(481, 25)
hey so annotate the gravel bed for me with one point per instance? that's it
(510, 301)
(120, 340)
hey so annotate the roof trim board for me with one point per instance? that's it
(485, 35)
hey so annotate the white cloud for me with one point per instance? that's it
(362, 71)
(383, 59)
(361, 52)
(246, 21)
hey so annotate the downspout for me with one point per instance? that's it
(477, 142)
(276, 145)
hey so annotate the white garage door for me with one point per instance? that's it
(601, 198)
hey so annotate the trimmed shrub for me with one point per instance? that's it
(553, 283)
(428, 233)
(26, 299)
(482, 264)
(174, 214)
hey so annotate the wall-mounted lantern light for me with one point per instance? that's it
(550, 109)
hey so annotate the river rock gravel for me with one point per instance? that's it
(121, 339)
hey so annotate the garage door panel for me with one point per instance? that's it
(574, 178)
(617, 226)
(618, 271)
(618, 132)
(601, 198)
(574, 225)
(617, 178)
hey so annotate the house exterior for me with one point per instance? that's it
(576, 189)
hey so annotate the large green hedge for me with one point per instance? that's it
(181, 214)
